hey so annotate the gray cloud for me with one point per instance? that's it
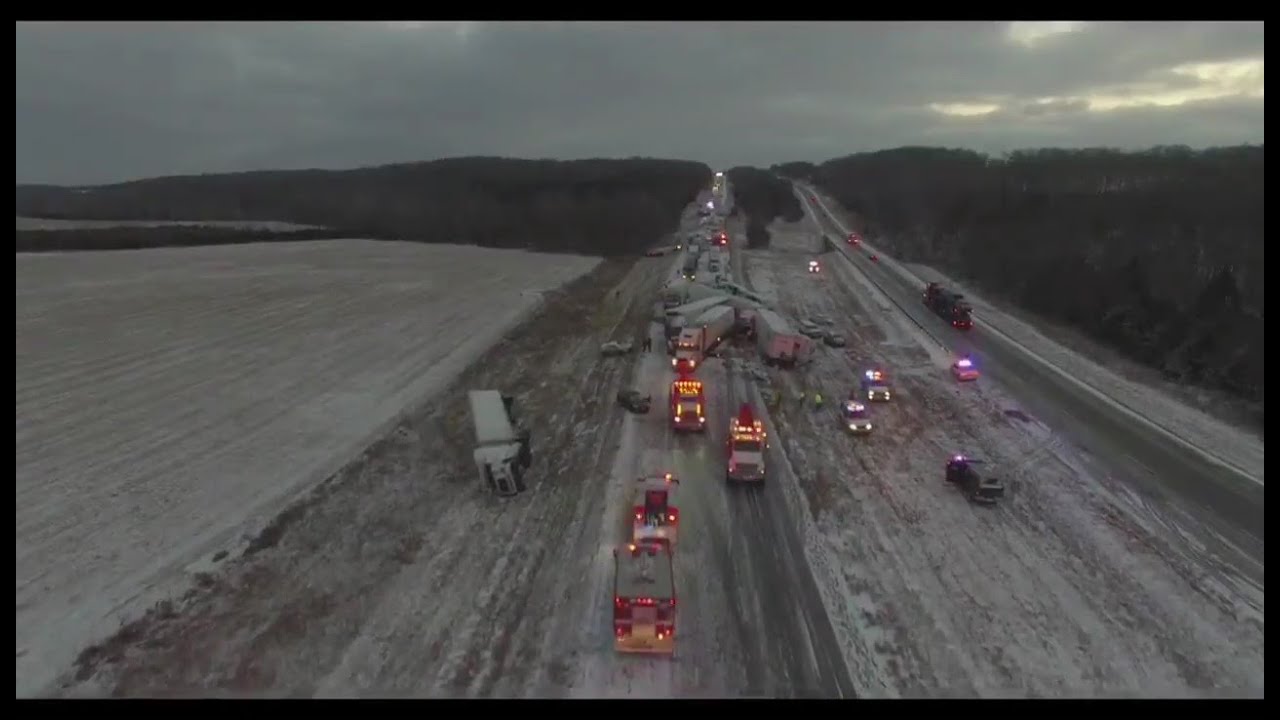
(98, 103)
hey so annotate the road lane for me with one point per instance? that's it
(1160, 468)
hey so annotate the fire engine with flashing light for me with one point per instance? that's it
(746, 447)
(687, 405)
(856, 417)
(644, 598)
(964, 370)
(874, 386)
(654, 511)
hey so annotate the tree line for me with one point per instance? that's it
(1156, 253)
(762, 196)
(591, 207)
(138, 238)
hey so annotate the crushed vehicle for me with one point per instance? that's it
(644, 598)
(655, 515)
(633, 401)
(613, 348)
(856, 417)
(746, 447)
(964, 370)
(833, 339)
(978, 488)
(874, 386)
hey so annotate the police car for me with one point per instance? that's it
(875, 386)
(964, 370)
(856, 417)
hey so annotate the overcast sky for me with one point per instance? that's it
(108, 102)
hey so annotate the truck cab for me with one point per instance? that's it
(746, 447)
(654, 511)
(644, 598)
(688, 405)
(874, 386)
(856, 417)
(688, 350)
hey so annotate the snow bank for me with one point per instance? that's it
(1234, 447)
(28, 223)
(168, 400)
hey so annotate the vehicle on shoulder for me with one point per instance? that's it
(964, 370)
(977, 487)
(856, 417)
(633, 401)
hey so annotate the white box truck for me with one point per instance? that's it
(502, 452)
(778, 342)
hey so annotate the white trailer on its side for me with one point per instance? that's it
(778, 342)
(502, 449)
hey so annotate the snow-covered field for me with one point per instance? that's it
(170, 400)
(1071, 587)
(29, 223)
(1242, 448)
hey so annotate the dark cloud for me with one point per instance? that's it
(112, 101)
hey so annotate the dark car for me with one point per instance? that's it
(635, 402)
(979, 488)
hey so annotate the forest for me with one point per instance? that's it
(590, 207)
(1156, 253)
(761, 196)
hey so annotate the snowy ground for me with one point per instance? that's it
(1130, 386)
(398, 576)
(1070, 588)
(28, 223)
(169, 400)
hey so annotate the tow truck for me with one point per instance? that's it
(655, 515)
(874, 386)
(687, 403)
(746, 447)
(644, 598)
(982, 490)
(856, 417)
(964, 370)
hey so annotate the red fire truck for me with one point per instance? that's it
(688, 405)
(644, 598)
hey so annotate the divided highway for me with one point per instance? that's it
(1159, 466)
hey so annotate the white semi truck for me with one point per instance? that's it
(502, 452)
(698, 337)
(778, 342)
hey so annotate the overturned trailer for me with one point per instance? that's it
(777, 341)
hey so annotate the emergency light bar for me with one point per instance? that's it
(964, 363)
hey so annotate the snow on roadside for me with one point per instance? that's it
(30, 223)
(166, 403)
(1057, 592)
(1242, 448)
(1201, 429)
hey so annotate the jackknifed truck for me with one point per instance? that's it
(502, 452)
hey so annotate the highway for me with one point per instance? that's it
(752, 622)
(1188, 484)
